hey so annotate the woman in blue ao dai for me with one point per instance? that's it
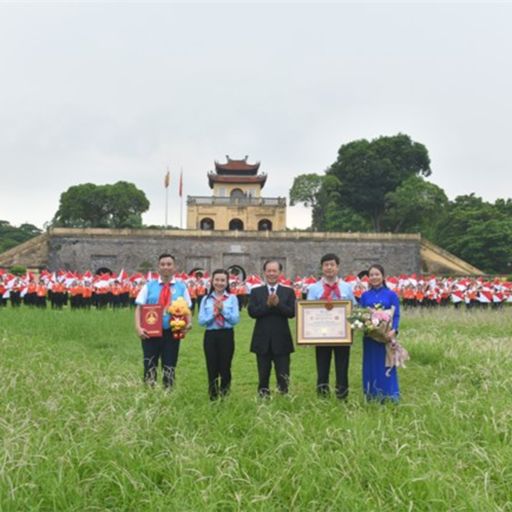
(379, 382)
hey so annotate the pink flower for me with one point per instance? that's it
(381, 315)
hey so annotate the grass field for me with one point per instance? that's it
(79, 431)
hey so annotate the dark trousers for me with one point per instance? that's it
(15, 299)
(282, 369)
(219, 347)
(165, 349)
(323, 366)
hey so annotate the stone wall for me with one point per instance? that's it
(299, 252)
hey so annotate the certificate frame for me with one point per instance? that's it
(312, 313)
(151, 319)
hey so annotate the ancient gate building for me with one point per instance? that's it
(237, 203)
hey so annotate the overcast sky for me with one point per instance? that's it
(101, 92)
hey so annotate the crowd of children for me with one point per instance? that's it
(85, 290)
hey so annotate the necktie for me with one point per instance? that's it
(272, 289)
(165, 295)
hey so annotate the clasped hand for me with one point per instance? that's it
(273, 300)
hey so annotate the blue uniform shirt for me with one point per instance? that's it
(316, 291)
(150, 293)
(230, 312)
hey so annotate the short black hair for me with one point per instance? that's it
(166, 255)
(330, 256)
(272, 261)
(362, 274)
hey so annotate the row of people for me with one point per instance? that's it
(77, 295)
(101, 293)
(271, 305)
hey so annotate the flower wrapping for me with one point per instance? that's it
(374, 322)
(396, 355)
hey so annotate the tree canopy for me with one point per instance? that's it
(11, 236)
(368, 170)
(305, 189)
(104, 206)
(380, 185)
(415, 206)
(479, 232)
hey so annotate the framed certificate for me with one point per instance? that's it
(321, 322)
(151, 319)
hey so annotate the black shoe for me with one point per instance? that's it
(264, 393)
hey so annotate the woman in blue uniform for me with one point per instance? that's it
(379, 382)
(219, 312)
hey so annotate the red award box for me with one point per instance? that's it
(151, 319)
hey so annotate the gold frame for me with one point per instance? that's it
(303, 340)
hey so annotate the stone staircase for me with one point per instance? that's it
(435, 260)
(32, 254)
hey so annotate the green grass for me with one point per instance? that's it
(79, 431)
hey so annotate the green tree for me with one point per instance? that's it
(329, 212)
(18, 270)
(305, 189)
(479, 232)
(415, 206)
(504, 206)
(88, 205)
(127, 203)
(29, 229)
(10, 236)
(344, 218)
(368, 170)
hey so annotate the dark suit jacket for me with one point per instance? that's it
(271, 329)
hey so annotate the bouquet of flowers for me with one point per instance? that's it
(374, 322)
(179, 312)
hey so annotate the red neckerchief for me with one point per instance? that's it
(331, 291)
(219, 319)
(165, 295)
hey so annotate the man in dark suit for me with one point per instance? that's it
(272, 305)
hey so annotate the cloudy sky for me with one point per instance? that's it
(107, 91)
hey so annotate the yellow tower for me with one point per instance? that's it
(237, 203)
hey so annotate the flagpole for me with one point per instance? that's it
(166, 205)
(181, 197)
(167, 199)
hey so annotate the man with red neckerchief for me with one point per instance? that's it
(162, 291)
(331, 287)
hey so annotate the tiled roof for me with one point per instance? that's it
(215, 178)
(237, 165)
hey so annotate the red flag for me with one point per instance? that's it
(181, 184)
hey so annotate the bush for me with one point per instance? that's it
(18, 270)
